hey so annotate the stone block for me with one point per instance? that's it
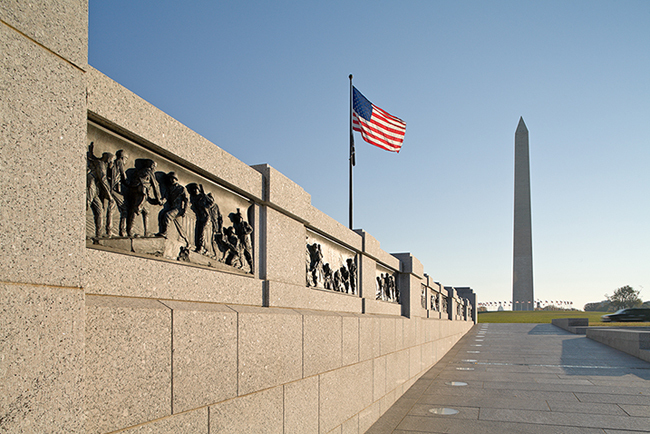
(43, 158)
(372, 248)
(387, 401)
(399, 332)
(204, 354)
(367, 277)
(426, 329)
(387, 331)
(368, 416)
(302, 297)
(137, 119)
(140, 277)
(128, 362)
(344, 392)
(410, 333)
(301, 406)
(270, 347)
(283, 193)
(350, 347)
(351, 426)
(397, 369)
(285, 249)
(410, 264)
(191, 422)
(369, 337)
(392, 374)
(379, 378)
(322, 342)
(323, 223)
(60, 26)
(257, 413)
(415, 361)
(571, 324)
(151, 246)
(633, 342)
(123, 244)
(380, 307)
(419, 323)
(427, 355)
(42, 348)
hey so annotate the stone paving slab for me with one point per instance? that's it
(526, 378)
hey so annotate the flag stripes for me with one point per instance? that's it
(377, 127)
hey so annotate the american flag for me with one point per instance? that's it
(376, 126)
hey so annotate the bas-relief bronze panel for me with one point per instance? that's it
(329, 265)
(140, 202)
(386, 287)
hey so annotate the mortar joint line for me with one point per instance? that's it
(237, 370)
(41, 285)
(42, 46)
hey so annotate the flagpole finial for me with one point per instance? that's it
(350, 76)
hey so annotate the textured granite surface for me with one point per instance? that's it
(128, 362)
(270, 348)
(140, 277)
(301, 297)
(191, 422)
(60, 26)
(42, 168)
(285, 249)
(204, 354)
(322, 342)
(301, 406)
(42, 348)
(260, 412)
(344, 393)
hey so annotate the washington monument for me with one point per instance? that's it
(522, 269)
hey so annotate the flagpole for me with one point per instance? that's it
(351, 149)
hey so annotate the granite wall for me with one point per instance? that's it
(95, 340)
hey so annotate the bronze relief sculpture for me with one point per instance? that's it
(164, 210)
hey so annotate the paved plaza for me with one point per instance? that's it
(526, 378)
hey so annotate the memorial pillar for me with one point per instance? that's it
(410, 285)
(44, 52)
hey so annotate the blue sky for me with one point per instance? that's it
(268, 83)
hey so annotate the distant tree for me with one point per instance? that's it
(624, 297)
(482, 309)
(600, 306)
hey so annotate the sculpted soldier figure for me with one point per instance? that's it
(328, 279)
(244, 231)
(175, 206)
(308, 263)
(206, 210)
(338, 281)
(233, 252)
(99, 190)
(215, 220)
(143, 189)
(352, 267)
(393, 289)
(119, 187)
(380, 288)
(199, 206)
(316, 263)
(345, 279)
(387, 287)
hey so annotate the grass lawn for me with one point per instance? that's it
(545, 316)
